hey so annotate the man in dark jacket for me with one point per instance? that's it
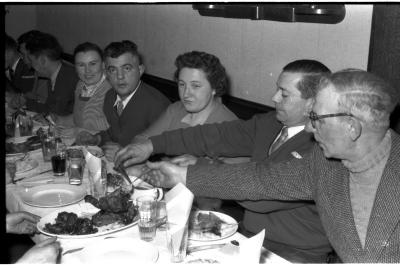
(132, 106)
(293, 229)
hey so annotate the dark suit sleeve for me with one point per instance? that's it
(291, 180)
(230, 139)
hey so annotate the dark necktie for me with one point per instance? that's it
(281, 140)
(120, 107)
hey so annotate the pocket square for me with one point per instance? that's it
(296, 155)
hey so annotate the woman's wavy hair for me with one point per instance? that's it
(209, 64)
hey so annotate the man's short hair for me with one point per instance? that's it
(9, 43)
(209, 64)
(27, 37)
(364, 95)
(312, 71)
(87, 46)
(45, 44)
(116, 49)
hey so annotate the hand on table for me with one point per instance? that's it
(110, 149)
(85, 138)
(165, 174)
(46, 251)
(134, 153)
(21, 222)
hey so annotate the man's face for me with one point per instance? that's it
(331, 133)
(89, 67)
(38, 63)
(124, 73)
(291, 108)
(24, 54)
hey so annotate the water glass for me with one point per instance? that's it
(161, 215)
(177, 241)
(76, 165)
(48, 148)
(147, 207)
(25, 125)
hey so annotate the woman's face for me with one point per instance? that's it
(89, 67)
(194, 90)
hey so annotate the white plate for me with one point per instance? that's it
(82, 210)
(115, 251)
(227, 229)
(18, 139)
(53, 195)
(26, 165)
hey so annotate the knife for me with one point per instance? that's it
(192, 249)
(20, 179)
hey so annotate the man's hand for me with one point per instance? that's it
(46, 251)
(134, 153)
(85, 138)
(110, 149)
(165, 174)
(184, 160)
(21, 223)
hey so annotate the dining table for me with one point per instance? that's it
(42, 175)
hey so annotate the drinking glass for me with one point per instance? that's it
(48, 147)
(177, 241)
(76, 166)
(161, 215)
(147, 207)
(58, 161)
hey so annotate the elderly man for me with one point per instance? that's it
(294, 229)
(44, 54)
(352, 174)
(132, 106)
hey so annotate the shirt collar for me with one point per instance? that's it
(294, 130)
(90, 90)
(125, 102)
(14, 67)
(53, 77)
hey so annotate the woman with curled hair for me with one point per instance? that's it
(201, 80)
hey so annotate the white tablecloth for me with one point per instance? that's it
(15, 203)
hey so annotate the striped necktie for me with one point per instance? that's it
(120, 107)
(281, 140)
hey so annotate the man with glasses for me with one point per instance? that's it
(352, 173)
(294, 228)
(132, 106)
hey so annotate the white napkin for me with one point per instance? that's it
(93, 164)
(179, 203)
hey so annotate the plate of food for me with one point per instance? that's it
(25, 165)
(114, 251)
(53, 195)
(109, 214)
(207, 225)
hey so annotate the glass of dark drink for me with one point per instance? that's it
(58, 161)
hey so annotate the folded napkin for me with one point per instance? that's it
(94, 166)
(248, 252)
(179, 203)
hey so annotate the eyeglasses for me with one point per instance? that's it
(314, 117)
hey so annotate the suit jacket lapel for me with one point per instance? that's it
(300, 138)
(385, 214)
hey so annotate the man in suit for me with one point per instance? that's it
(35, 100)
(19, 76)
(294, 229)
(44, 54)
(352, 173)
(132, 106)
